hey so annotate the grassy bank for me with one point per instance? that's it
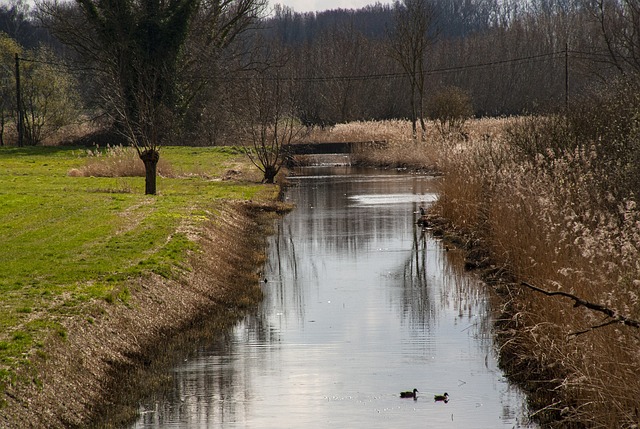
(550, 202)
(77, 250)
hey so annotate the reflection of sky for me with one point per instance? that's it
(359, 305)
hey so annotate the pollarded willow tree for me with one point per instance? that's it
(135, 46)
(138, 50)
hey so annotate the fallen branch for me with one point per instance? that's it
(617, 318)
(591, 328)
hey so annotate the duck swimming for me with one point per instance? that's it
(409, 394)
(443, 398)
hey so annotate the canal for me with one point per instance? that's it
(360, 304)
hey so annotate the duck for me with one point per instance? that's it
(409, 394)
(443, 398)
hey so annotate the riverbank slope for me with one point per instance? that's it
(79, 337)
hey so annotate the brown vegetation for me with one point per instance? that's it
(117, 161)
(556, 218)
(542, 220)
(403, 150)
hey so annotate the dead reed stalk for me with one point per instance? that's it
(541, 219)
(116, 161)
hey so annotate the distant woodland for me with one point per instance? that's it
(509, 56)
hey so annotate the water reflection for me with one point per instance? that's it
(360, 304)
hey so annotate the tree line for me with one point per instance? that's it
(193, 72)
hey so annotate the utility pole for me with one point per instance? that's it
(20, 121)
(566, 77)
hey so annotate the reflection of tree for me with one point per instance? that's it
(283, 290)
(212, 382)
(203, 368)
(417, 302)
(418, 263)
(351, 229)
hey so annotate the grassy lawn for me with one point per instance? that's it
(65, 241)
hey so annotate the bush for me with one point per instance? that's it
(605, 124)
(450, 107)
(49, 96)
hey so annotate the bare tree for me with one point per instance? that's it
(412, 33)
(270, 121)
(139, 48)
(619, 22)
(14, 17)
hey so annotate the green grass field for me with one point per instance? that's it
(65, 240)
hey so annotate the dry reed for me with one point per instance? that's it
(543, 220)
(402, 149)
(540, 221)
(116, 161)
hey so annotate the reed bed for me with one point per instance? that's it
(543, 219)
(402, 150)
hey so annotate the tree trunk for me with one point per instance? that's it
(414, 115)
(150, 158)
(423, 125)
(270, 173)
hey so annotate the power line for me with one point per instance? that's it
(399, 75)
(60, 66)
(365, 77)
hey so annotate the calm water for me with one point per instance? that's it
(359, 305)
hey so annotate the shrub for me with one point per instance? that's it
(49, 96)
(450, 107)
(605, 124)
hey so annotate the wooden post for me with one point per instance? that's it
(20, 119)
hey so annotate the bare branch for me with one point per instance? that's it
(592, 328)
(613, 314)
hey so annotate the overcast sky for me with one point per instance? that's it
(322, 5)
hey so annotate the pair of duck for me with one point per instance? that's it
(439, 398)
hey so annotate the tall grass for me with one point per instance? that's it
(402, 149)
(549, 218)
(116, 161)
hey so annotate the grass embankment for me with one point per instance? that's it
(80, 250)
(542, 200)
